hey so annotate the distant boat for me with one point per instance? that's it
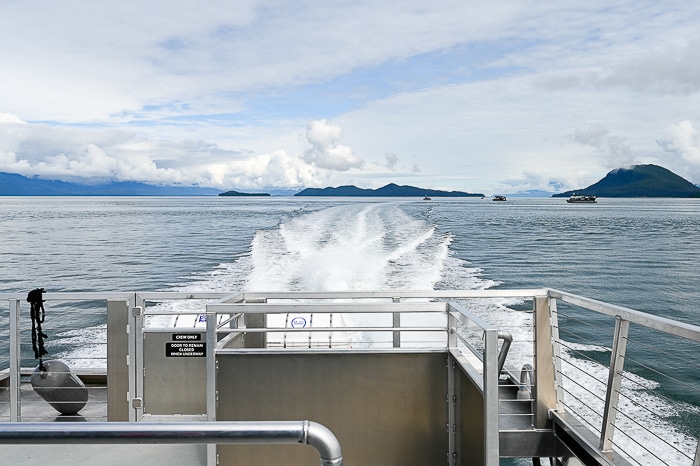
(426, 198)
(581, 199)
(498, 198)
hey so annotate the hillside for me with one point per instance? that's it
(639, 181)
(237, 193)
(390, 190)
(17, 185)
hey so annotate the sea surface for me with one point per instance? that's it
(639, 253)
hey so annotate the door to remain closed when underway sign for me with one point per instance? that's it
(186, 345)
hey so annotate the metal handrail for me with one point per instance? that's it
(507, 340)
(277, 432)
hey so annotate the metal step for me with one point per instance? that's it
(513, 413)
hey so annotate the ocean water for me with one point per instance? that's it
(638, 253)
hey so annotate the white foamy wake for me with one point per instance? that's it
(351, 247)
(357, 247)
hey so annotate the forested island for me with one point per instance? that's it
(236, 193)
(639, 181)
(390, 190)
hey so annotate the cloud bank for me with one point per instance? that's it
(480, 97)
(65, 154)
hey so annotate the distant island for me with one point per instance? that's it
(639, 181)
(236, 193)
(12, 184)
(390, 190)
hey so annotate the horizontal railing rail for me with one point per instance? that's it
(272, 432)
(662, 324)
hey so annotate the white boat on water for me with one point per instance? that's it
(581, 199)
(377, 377)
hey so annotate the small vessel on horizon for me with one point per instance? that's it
(499, 198)
(581, 199)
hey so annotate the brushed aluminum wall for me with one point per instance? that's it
(172, 384)
(385, 408)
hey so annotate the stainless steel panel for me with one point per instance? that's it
(470, 404)
(386, 409)
(117, 369)
(172, 385)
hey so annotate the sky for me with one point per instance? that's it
(491, 97)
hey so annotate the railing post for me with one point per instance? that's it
(251, 320)
(212, 394)
(118, 369)
(491, 443)
(612, 395)
(136, 315)
(545, 390)
(396, 323)
(211, 364)
(558, 380)
(15, 356)
(451, 329)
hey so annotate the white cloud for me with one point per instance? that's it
(680, 142)
(10, 118)
(278, 170)
(391, 160)
(593, 136)
(325, 152)
(670, 69)
(616, 153)
(61, 153)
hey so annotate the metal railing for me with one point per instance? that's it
(630, 379)
(602, 372)
(76, 325)
(281, 432)
(386, 321)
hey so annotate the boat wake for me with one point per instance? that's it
(352, 248)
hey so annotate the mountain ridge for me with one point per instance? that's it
(12, 184)
(639, 181)
(389, 190)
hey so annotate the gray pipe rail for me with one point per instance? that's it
(278, 432)
(507, 340)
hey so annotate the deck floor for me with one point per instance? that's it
(35, 409)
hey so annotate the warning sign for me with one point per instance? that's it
(185, 349)
(187, 336)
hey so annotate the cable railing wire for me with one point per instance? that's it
(644, 428)
(656, 394)
(665, 375)
(592, 393)
(661, 351)
(633, 440)
(581, 417)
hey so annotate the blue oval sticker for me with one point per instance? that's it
(298, 322)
